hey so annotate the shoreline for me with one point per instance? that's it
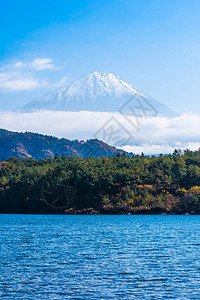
(81, 213)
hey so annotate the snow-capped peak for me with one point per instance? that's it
(99, 84)
(96, 91)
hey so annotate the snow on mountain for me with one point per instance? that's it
(102, 92)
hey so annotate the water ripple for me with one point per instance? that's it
(99, 257)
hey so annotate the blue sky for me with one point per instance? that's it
(153, 44)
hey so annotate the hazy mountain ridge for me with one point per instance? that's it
(38, 146)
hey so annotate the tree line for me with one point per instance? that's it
(120, 184)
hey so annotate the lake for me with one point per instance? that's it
(99, 257)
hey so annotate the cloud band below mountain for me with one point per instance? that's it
(150, 135)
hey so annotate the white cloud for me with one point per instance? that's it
(37, 64)
(42, 64)
(23, 75)
(149, 149)
(17, 81)
(18, 64)
(156, 135)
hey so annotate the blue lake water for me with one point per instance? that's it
(99, 257)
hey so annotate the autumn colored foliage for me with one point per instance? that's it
(141, 184)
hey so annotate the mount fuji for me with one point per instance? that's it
(100, 92)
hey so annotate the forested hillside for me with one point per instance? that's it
(38, 146)
(169, 183)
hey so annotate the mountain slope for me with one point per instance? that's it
(97, 91)
(38, 146)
